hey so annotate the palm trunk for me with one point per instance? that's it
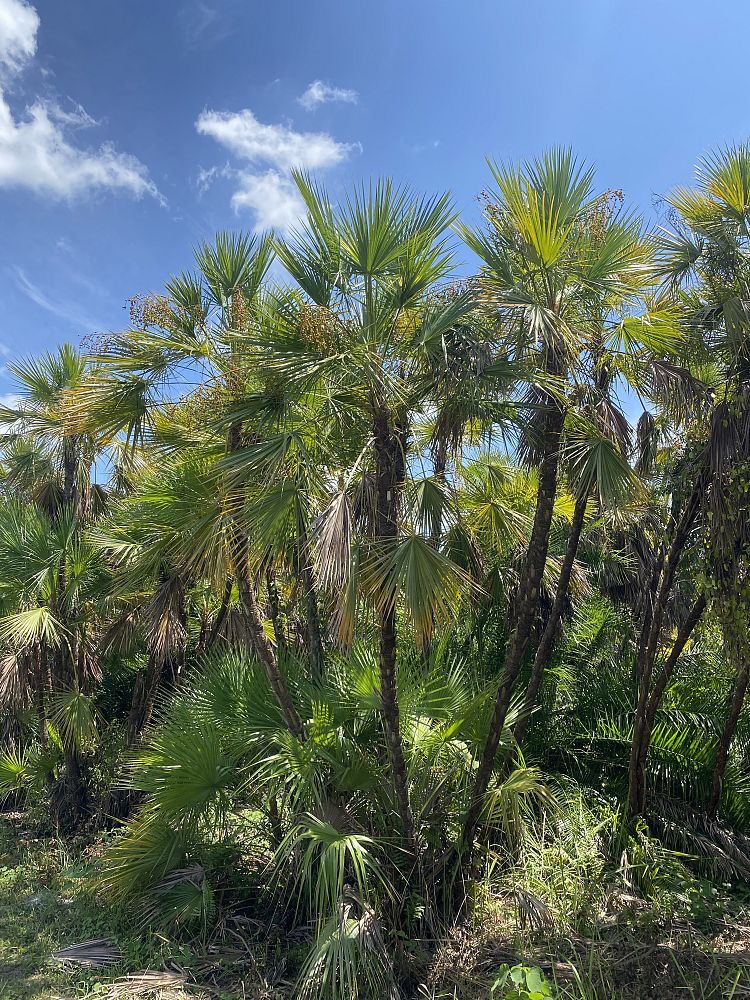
(210, 638)
(143, 700)
(253, 619)
(734, 708)
(439, 465)
(667, 671)
(261, 644)
(312, 614)
(547, 642)
(38, 685)
(65, 659)
(666, 674)
(388, 476)
(274, 612)
(527, 604)
(648, 644)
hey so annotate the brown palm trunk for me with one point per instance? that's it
(261, 644)
(143, 700)
(388, 477)
(736, 700)
(207, 641)
(274, 611)
(312, 614)
(666, 674)
(527, 604)
(251, 611)
(38, 687)
(547, 642)
(65, 658)
(648, 645)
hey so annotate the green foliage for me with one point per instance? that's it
(521, 982)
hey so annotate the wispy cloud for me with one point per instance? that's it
(273, 150)
(202, 25)
(62, 308)
(319, 93)
(35, 150)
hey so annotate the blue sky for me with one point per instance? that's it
(130, 130)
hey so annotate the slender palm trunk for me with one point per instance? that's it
(212, 635)
(547, 641)
(274, 612)
(527, 603)
(38, 686)
(666, 674)
(648, 646)
(251, 610)
(65, 659)
(735, 702)
(144, 698)
(388, 476)
(312, 614)
(261, 644)
(439, 465)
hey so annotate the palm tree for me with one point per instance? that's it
(551, 257)
(599, 467)
(192, 332)
(360, 339)
(42, 439)
(703, 263)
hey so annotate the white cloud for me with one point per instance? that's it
(35, 151)
(272, 197)
(274, 150)
(19, 23)
(35, 154)
(275, 145)
(323, 93)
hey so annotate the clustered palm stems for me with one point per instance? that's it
(346, 590)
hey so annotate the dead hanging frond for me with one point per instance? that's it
(675, 388)
(646, 443)
(612, 423)
(332, 542)
(720, 852)
(343, 618)
(14, 687)
(89, 660)
(729, 435)
(121, 635)
(166, 633)
(234, 631)
(365, 502)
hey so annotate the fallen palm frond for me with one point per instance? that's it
(98, 952)
(151, 986)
